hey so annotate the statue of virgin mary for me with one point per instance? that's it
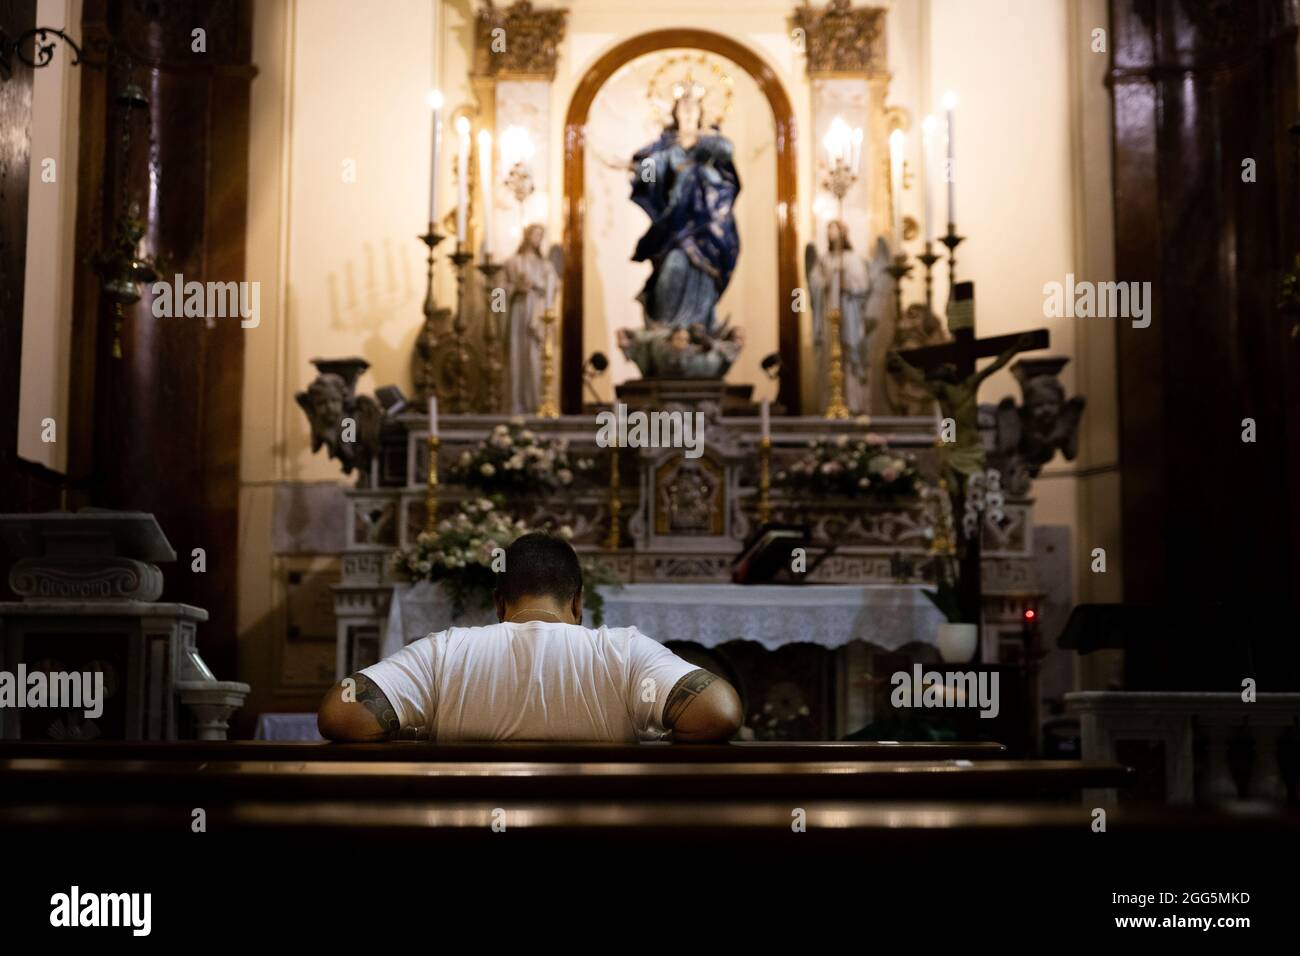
(686, 182)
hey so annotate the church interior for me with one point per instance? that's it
(884, 358)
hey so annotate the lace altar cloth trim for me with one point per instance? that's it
(885, 616)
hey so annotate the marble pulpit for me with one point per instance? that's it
(89, 589)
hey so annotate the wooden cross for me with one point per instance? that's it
(961, 353)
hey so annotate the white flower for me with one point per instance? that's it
(485, 504)
(465, 459)
(565, 476)
(566, 532)
(842, 441)
(526, 435)
(486, 470)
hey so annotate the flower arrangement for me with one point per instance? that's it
(514, 459)
(465, 552)
(856, 468)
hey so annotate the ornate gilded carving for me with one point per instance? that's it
(840, 38)
(517, 41)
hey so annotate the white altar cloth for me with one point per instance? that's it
(831, 615)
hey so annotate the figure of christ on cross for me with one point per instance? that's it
(948, 373)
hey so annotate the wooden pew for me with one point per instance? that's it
(55, 779)
(540, 752)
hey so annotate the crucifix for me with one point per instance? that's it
(947, 372)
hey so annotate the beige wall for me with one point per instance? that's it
(342, 272)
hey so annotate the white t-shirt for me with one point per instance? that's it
(533, 681)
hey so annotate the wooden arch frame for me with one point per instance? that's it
(575, 123)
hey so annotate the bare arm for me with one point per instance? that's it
(701, 708)
(355, 709)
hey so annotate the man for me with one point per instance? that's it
(538, 675)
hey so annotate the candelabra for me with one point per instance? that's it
(899, 269)
(548, 407)
(839, 181)
(951, 240)
(431, 487)
(459, 260)
(764, 480)
(615, 506)
(491, 340)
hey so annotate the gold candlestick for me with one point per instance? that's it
(615, 506)
(491, 340)
(764, 480)
(835, 407)
(460, 259)
(431, 487)
(548, 407)
(951, 240)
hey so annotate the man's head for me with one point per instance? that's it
(543, 574)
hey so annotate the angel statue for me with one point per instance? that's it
(686, 182)
(530, 282)
(1028, 436)
(858, 285)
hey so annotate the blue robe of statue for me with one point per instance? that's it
(692, 241)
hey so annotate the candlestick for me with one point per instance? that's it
(951, 240)
(928, 259)
(548, 407)
(835, 407)
(462, 179)
(950, 170)
(431, 487)
(485, 183)
(491, 336)
(615, 505)
(435, 104)
(896, 184)
(899, 269)
(459, 260)
(764, 480)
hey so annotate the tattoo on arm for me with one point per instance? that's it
(374, 700)
(684, 692)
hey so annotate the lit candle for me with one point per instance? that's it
(435, 103)
(433, 416)
(766, 418)
(896, 185)
(485, 183)
(950, 166)
(929, 131)
(838, 142)
(462, 177)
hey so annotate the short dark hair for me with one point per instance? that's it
(540, 565)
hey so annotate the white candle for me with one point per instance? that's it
(929, 132)
(433, 416)
(766, 417)
(435, 103)
(896, 185)
(485, 183)
(462, 177)
(950, 166)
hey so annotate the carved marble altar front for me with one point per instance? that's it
(680, 520)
